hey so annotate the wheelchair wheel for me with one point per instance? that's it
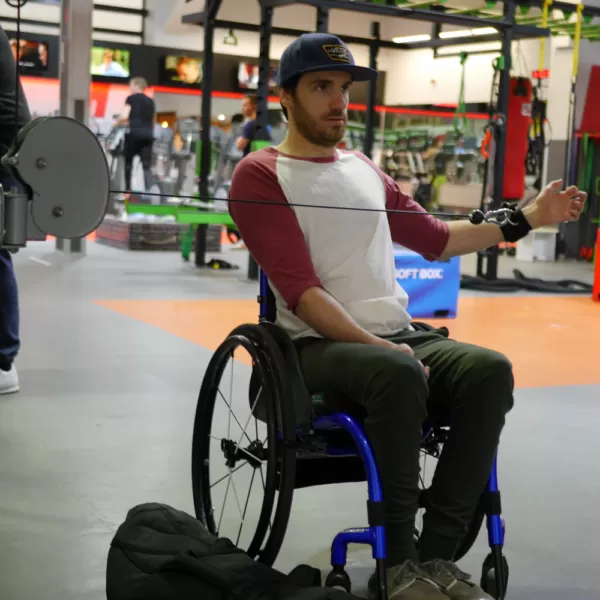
(235, 452)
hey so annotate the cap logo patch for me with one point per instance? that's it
(337, 52)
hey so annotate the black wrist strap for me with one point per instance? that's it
(516, 227)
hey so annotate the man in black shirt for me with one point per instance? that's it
(248, 135)
(139, 113)
(10, 111)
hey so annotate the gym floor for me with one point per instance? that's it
(114, 349)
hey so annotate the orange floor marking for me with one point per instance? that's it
(90, 237)
(550, 340)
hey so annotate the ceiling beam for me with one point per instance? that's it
(436, 15)
(349, 39)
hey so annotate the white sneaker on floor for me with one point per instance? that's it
(9, 381)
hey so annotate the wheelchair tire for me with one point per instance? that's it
(278, 453)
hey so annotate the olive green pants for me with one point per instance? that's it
(470, 389)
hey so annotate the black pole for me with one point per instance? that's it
(207, 89)
(145, 10)
(322, 19)
(435, 34)
(490, 256)
(570, 134)
(212, 8)
(262, 96)
(264, 66)
(372, 95)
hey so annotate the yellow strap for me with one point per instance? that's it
(545, 11)
(579, 9)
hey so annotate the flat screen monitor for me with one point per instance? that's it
(182, 70)
(32, 55)
(110, 62)
(248, 75)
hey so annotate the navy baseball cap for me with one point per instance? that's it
(320, 52)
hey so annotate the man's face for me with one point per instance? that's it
(247, 107)
(319, 107)
(108, 57)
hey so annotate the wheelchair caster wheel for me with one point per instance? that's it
(489, 578)
(338, 578)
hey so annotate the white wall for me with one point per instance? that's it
(559, 87)
(416, 77)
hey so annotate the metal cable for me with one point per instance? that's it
(477, 216)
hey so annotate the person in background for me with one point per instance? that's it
(232, 152)
(234, 155)
(9, 294)
(248, 135)
(139, 114)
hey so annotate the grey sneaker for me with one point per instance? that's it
(9, 381)
(456, 584)
(407, 581)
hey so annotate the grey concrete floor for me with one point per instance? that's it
(103, 422)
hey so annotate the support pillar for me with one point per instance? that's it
(75, 78)
(487, 260)
(372, 95)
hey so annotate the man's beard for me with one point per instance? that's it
(314, 131)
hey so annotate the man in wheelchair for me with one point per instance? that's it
(333, 276)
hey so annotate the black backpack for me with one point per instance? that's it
(160, 553)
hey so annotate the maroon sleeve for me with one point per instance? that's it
(271, 232)
(422, 233)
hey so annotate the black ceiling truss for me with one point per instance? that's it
(101, 7)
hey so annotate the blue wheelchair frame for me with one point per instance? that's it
(374, 534)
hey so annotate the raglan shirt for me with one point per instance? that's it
(349, 253)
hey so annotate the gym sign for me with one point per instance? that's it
(419, 274)
(432, 287)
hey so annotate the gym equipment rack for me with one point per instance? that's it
(509, 24)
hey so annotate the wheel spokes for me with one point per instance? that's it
(245, 508)
(247, 448)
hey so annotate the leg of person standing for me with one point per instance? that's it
(129, 152)
(145, 153)
(9, 324)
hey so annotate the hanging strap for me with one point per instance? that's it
(461, 107)
(585, 174)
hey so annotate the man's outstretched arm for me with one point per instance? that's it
(439, 240)
(552, 206)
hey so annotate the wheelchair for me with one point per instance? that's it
(303, 444)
